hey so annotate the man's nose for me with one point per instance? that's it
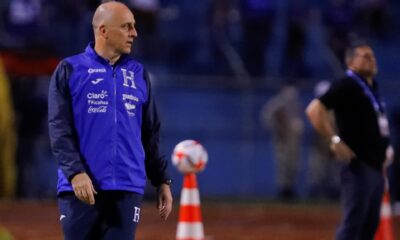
(133, 33)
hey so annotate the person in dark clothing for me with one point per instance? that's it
(361, 141)
(294, 62)
(338, 18)
(257, 18)
(104, 132)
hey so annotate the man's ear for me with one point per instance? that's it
(103, 31)
(349, 62)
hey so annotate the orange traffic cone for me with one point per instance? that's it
(190, 226)
(385, 229)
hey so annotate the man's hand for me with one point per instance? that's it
(389, 156)
(342, 151)
(164, 201)
(389, 159)
(83, 188)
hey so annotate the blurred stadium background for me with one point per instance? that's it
(214, 64)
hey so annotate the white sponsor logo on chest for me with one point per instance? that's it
(96, 70)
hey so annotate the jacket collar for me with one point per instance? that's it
(93, 54)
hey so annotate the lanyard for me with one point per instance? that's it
(379, 108)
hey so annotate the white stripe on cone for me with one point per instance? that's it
(190, 197)
(190, 230)
(386, 211)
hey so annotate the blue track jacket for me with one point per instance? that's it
(103, 121)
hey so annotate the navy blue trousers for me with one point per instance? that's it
(115, 215)
(361, 194)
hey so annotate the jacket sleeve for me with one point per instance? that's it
(156, 164)
(63, 137)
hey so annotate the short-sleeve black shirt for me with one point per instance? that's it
(357, 120)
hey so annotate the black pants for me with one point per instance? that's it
(361, 192)
(115, 215)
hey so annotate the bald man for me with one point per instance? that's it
(104, 132)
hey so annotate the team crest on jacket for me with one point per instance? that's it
(129, 78)
(130, 101)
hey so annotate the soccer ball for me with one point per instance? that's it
(189, 156)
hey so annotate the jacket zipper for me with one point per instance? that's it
(116, 125)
